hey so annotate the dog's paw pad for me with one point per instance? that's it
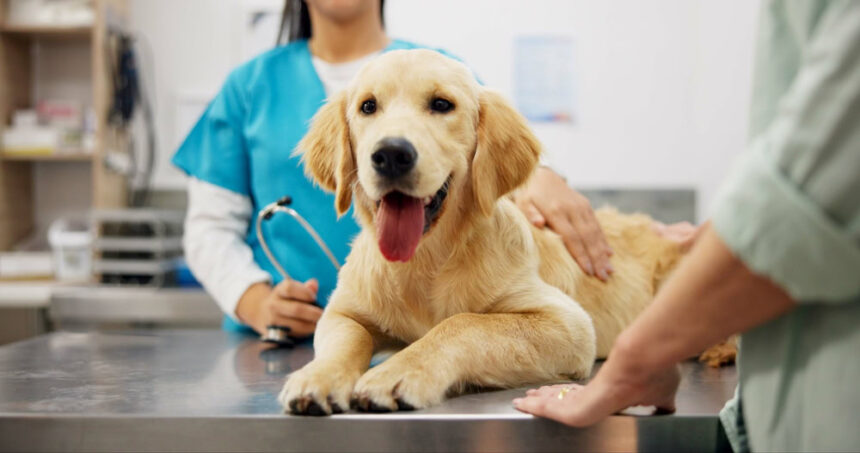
(335, 408)
(296, 405)
(305, 405)
(373, 407)
(360, 403)
(315, 409)
(364, 403)
(403, 405)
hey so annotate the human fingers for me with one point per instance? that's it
(296, 310)
(551, 389)
(531, 212)
(313, 285)
(572, 241)
(291, 289)
(594, 240)
(298, 328)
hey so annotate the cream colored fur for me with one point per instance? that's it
(487, 298)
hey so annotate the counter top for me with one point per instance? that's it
(83, 305)
(207, 390)
(92, 305)
(26, 294)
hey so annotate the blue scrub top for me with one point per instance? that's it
(244, 142)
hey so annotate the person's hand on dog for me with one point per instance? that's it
(289, 304)
(618, 385)
(548, 201)
(684, 233)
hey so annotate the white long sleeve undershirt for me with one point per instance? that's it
(214, 243)
(218, 220)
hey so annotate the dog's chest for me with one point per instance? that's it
(415, 308)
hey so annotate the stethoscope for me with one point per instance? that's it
(280, 335)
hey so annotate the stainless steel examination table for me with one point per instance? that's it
(207, 390)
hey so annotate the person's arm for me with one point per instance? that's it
(711, 296)
(214, 244)
(790, 208)
(217, 254)
(786, 228)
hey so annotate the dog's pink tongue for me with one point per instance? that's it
(399, 226)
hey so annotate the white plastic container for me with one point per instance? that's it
(71, 242)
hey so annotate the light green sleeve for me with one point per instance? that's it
(791, 207)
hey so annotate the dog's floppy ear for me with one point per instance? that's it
(327, 152)
(506, 154)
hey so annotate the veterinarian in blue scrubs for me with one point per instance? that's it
(239, 157)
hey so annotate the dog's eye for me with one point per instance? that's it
(369, 107)
(441, 105)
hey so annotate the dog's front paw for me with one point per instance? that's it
(393, 386)
(317, 390)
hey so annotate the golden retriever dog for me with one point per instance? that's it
(446, 266)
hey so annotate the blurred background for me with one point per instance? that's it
(660, 87)
(639, 104)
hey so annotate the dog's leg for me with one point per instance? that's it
(493, 349)
(342, 351)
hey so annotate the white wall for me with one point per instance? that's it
(191, 49)
(662, 86)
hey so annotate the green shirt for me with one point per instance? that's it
(791, 211)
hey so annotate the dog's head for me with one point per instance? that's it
(412, 134)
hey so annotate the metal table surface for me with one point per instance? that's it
(93, 305)
(207, 390)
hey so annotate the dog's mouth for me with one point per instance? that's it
(402, 219)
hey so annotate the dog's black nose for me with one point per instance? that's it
(394, 157)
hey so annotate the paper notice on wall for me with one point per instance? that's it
(544, 78)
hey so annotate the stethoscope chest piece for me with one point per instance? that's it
(278, 335)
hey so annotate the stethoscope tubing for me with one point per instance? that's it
(279, 335)
(280, 206)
